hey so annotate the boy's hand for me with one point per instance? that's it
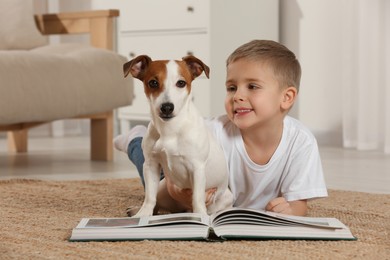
(184, 196)
(281, 205)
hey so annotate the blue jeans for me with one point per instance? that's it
(136, 156)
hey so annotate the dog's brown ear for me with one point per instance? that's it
(196, 66)
(137, 66)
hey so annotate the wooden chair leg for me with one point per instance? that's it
(101, 137)
(17, 141)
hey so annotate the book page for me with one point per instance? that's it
(259, 217)
(315, 221)
(178, 218)
(158, 220)
(242, 231)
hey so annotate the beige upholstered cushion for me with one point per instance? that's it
(18, 30)
(60, 81)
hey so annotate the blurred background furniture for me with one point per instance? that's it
(41, 82)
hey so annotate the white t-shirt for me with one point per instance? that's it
(293, 172)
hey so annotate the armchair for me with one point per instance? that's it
(44, 83)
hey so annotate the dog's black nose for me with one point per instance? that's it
(167, 109)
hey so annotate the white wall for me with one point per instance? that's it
(312, 29)
(232, 24)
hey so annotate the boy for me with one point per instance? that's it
(273, 159)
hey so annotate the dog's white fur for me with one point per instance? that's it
(177, 139)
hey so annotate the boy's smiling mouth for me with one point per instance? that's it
(242, 111)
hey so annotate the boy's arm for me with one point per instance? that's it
(184, 196)
(281, 205)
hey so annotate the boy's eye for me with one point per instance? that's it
(252, 86)
(231, 88)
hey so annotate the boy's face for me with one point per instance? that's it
(253, 96)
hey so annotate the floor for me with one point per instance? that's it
(68, 159)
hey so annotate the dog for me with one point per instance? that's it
(178, 141)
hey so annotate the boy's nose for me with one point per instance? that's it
(238, 96)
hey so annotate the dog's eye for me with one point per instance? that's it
(181, 84)
(153, 83)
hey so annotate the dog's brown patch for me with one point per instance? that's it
(186, 74)
(157, 71)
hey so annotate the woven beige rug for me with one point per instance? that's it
(36, 219)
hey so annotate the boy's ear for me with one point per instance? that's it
(289, 96)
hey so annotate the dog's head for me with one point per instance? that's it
(167, 83)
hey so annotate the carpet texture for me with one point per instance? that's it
(36, 219)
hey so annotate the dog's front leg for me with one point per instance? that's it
(199, 188)
(152, 174)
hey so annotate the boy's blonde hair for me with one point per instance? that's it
(283, 62)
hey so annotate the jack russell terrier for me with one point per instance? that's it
(178, 141)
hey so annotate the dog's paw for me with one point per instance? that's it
(200, 209)
(138, 212)
(132, 211)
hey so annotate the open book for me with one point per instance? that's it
(234, 223)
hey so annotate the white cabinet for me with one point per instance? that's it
(172, 29)
(157, 15)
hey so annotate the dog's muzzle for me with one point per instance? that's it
(166, 110)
